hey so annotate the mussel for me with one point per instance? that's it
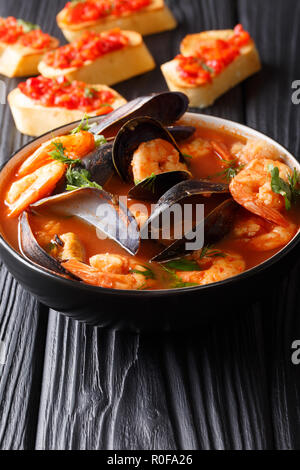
(128, 139)
(32, 251)
(96, 207)
(100, 164)
(178, 193)
(214, 227)
(167, 106)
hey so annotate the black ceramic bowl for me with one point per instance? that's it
(161, 309)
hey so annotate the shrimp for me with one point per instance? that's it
(251, 188)
(258, 234)
(254, 148)
(198, 148)
(111, 271)
(75, 146)
(215, 269)
(155, 157)
(33, 187)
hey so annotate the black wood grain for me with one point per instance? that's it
(270, 109)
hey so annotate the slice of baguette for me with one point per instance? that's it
(34, 119)
(134, 59)
(17, 60)
(150, 20)
(244, 65)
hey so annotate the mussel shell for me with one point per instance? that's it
(181, 132)
(167, 106)
(130, 136)
(101, 210)
(32, 251)
(151, 189)
(216, 226)
(181, 191)
(99, 163)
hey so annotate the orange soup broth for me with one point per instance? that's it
(210, 165)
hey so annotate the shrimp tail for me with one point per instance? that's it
(86, 273)
(269, 213)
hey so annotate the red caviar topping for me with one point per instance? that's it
(211, 57)
(71, 95)
(89, 46)
(92, 10)
(11, 31)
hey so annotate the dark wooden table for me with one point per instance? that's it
(233, 386)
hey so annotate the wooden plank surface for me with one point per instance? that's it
(226, 386)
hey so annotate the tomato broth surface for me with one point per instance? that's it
(213, 154)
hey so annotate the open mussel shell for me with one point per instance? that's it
(152, 188)
(99, 163)
(129, 138)
(214, 227)
(167, 106)
(32, 251)
(179, 192)
(99, 209)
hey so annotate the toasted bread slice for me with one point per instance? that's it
(34, 119)
(17, 60)
(244, 65)
(152, 19)
(113, 67)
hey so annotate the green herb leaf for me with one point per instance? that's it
(100, 140)
(279, 186)
(177, 283)
(83, 125)
(58, 154)
(186, 155)
(183, 264)
(79, 178)
(147, 272)
(210, 253)
(27, 26)
(89, 92)
(149, 182)
(207, 68)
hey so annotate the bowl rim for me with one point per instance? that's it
(210, 121)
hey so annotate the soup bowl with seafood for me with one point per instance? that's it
(151, 216)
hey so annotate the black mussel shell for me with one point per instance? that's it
(99, 163)
(99, 209)
(32, 251)
(152, 188)
(167, 106)
(181, 132)
(216, 226)
(130, 136)
(179, 192)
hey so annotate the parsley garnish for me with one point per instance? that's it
(58, 154)
(89, 92)
(83, 125)
(147, 272)
(183, 264)
(209, 253)
(100, 140)
(207, 68)
(79, 178)
(186, 155)
(27, 26)
(288, 190)
(230, 171)
(177, 283)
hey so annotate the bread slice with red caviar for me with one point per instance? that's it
(143, 16)
(109, 57)
(22, 46)
(41, 104)
(211, 63)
